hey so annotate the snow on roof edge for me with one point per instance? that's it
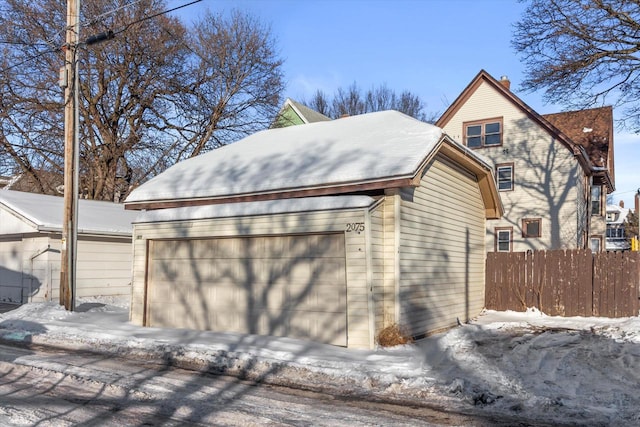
(44, 212)
(268, 207)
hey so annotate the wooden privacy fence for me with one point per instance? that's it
(564, 282)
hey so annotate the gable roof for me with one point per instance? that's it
(354, 154)
(44, 213)
(622, 214)
(578, 150)
(305, 114)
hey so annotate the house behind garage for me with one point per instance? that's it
(30, 243)
(327, 231)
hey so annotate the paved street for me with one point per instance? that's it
(59, 388)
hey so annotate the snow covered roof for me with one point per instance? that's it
(621, 214)
(45, 213)
(268, 207)
(369, 148)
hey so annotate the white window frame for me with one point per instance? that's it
(499, 181)
(498, 241)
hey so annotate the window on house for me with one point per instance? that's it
(504, 176)
(532, 227)
(596, 244)
(503, 239)
(485, 133)
(596, 200)
(615, 232)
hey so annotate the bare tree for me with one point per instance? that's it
(583, 53)
(156, 93)
(320, 103)
(352, 101)
(349, 102)
(631, 225)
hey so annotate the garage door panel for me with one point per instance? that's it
(276, 285)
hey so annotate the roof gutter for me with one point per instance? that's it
(325, 190)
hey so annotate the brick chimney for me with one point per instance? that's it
(638, 202)
(504, 80)
(622, 204)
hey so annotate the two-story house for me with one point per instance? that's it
(616, 238)
(553, 171)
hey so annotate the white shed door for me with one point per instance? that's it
(11, 277)
(291, 286)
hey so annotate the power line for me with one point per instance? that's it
(104, 15)
(111, 34)
(146, 18)
(31, 58)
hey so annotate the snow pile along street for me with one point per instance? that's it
(544, 369)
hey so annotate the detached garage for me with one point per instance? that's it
(30, 243)
(327, 231)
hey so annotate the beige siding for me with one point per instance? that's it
(442, 251)
(103, 267)
(358, 332)
(547, 176)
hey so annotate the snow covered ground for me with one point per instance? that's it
(576, 371)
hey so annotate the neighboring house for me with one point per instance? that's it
(30, 243)
(4, 181)
(616, 238)
(293, 113)
(329, 231)
(49, 183)
(553, 171)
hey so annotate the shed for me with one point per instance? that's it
(30, 243)
(327, 231)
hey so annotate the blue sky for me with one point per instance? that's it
(432, 48)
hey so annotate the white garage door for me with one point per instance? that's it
(291, 286)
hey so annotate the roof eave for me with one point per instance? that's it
(325, 190)
(484, 174)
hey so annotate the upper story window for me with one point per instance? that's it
(596, 200)
(484, 133)
(504, 176)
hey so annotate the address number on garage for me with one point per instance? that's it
(355, 227)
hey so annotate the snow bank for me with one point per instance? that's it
(526, 365)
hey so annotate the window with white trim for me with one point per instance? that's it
(504, 176)
(503, 238)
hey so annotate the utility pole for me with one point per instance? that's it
(71, 159)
